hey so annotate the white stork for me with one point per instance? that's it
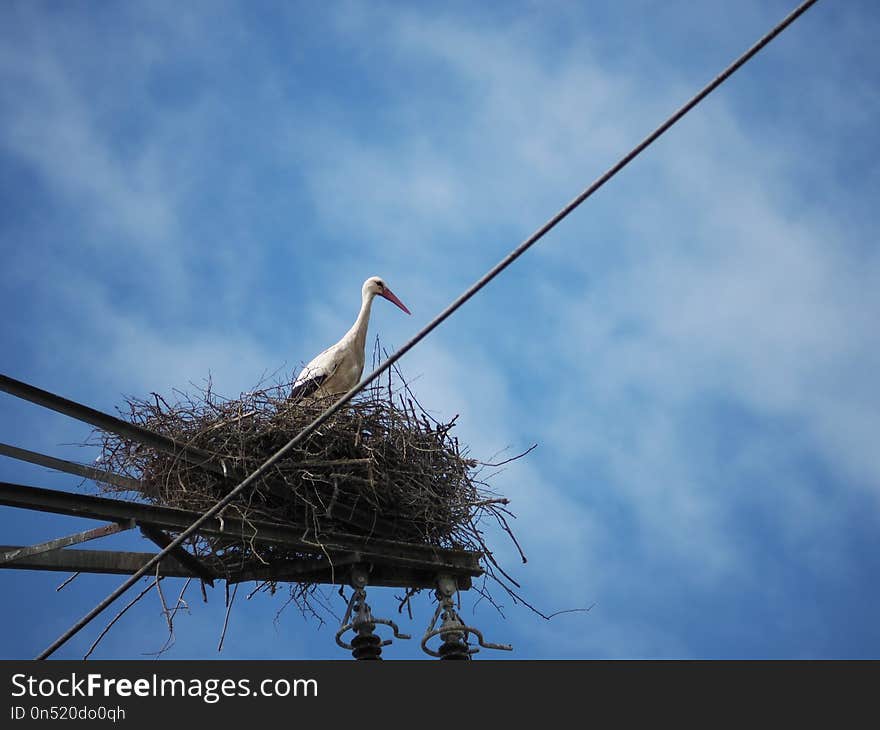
(339, 368)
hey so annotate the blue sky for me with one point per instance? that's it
(202, 188)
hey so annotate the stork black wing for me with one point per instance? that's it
(307, 387)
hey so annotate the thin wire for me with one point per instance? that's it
(425, 331)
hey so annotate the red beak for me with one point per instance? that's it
(389, 295)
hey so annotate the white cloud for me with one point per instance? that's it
(51, 126)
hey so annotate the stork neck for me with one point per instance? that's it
(359, 329)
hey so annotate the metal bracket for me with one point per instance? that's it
(365, 644)
(62, 542)
(453, 630)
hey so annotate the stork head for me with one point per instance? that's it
(376, 286)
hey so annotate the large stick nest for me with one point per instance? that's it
(382, 467)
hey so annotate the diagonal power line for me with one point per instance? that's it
(433, 324)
